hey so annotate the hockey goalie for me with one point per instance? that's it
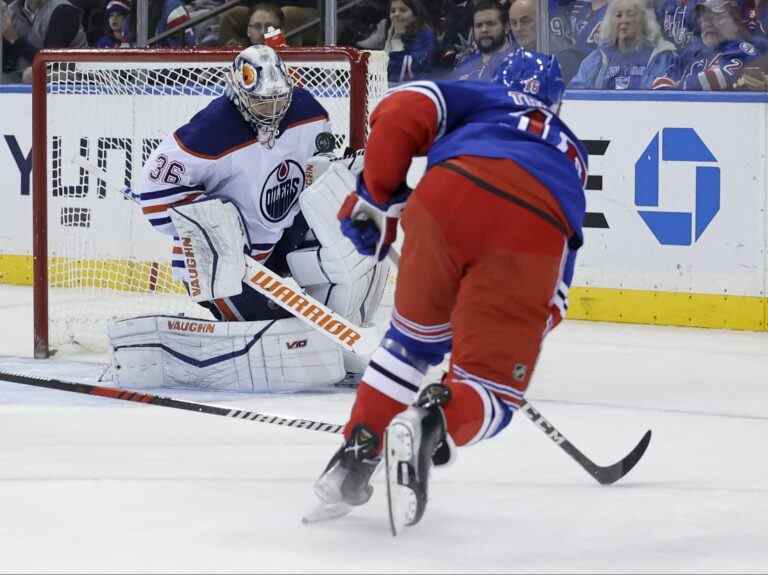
(249, 176)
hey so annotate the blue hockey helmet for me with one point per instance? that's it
(532, 73)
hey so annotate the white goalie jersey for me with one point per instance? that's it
(217, 154)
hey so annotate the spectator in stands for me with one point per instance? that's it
(523, 23)
(457, 42)
(755, 16)
(407, 38)
(265, 15)
(410, 42)
(116, 11)
(491, 33)
(233, 26)
(30, 25)
(163, 15)
(724, 58)
(631, 53)
(585, 23)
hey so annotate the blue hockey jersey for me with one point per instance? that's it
(488, 120)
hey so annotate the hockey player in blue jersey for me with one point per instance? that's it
(491, 234)
(227, 187)
(718, 60)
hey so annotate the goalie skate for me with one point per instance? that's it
(410, 443)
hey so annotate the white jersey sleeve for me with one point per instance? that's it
(171, 176)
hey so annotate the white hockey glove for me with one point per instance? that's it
(337, 261)
(372, 227)
(318, 164)
(350, 283)
(212, 240)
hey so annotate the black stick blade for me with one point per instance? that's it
(611, 473)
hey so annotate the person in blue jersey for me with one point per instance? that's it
(230, 183)
(491, 236)
(722, 56)
(410, 42)
(116, 13)
(491, 34)
(631, 54)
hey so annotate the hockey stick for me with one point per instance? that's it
(150, 399)
(604, 475)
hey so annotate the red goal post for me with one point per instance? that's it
(97, 114)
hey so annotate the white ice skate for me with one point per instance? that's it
(410, 442)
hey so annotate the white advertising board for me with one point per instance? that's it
(683, 195)
(16, 173)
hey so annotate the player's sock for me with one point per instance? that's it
(474, 412)
(374, 410)
(389, 384)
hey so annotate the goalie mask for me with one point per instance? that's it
(259, 85)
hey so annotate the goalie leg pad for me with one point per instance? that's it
(271, 356)
(212, 239)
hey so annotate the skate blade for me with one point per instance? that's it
(401, 500)
(326, 512)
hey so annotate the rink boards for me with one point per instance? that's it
(676, 227)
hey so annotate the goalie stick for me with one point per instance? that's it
(363, 341)
(151, 399)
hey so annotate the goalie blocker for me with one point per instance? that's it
(273, 355)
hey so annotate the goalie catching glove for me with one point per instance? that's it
(372, 227)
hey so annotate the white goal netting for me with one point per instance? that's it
(104, 118)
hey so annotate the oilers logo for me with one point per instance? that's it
(281, 190)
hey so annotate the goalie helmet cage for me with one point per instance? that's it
(97, 115)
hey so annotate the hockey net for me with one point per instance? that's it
(97, 116)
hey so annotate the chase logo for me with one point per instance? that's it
(673, 228)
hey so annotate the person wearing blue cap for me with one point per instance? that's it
(116, 12)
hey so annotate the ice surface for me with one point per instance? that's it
(96, 485)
